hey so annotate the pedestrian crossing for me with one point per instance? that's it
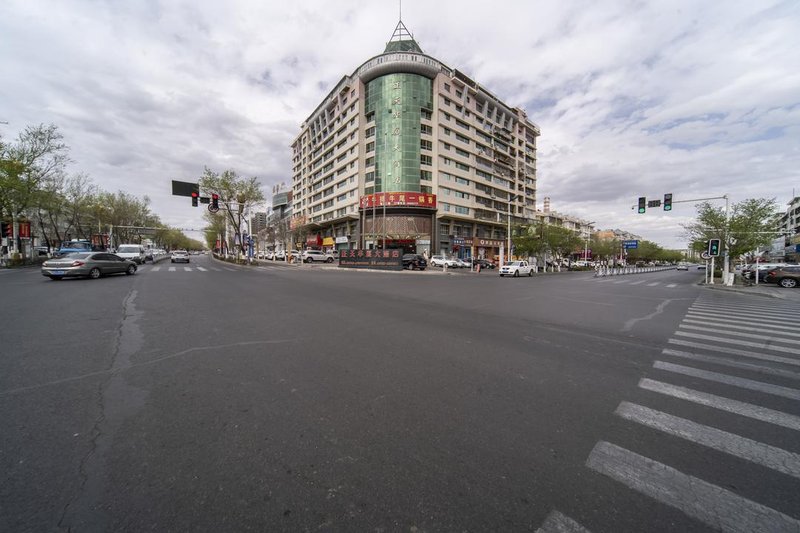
(630, 280)
(730, 359)
(197, 268)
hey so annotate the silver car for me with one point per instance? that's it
(90, 265)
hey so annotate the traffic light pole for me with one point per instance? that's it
(727, 278)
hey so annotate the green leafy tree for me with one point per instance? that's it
(753, 224)
(237, 195)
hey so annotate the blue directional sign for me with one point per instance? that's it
(630, 244)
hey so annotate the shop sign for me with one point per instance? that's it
(327, 241)
(423, 241)
(375, 259)
(342, 240)
(396, 199)
(488, 243)
(314, 240)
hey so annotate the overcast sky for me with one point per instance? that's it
(633, 98)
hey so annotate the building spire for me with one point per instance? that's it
(402, 40)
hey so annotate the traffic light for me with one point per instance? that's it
(713, 247)
(194, 198)
(668, 202)
(215, 201)
(6, 229)
(642, 204)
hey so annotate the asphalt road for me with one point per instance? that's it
(211, 397)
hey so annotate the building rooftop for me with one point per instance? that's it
(402, 41)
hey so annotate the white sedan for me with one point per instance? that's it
(516, 269)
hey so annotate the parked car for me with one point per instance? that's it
(787, 276)
(414, 262)
(87, 264)
(441, 261)
(763, 268)
(318, 256)
(179, 256)
(516, 269)
(133, 252)
(463, 263)
(483, 263)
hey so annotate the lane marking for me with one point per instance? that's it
(156, 269)
(621, 281)
(734, 351)
(672, 285)
(708, 503)
(653, 284)
(759, 345)
(743, 317)
(776, 309)
(201, 269)
(172, 269)
(187, 269)
(638, 282)
(735, 325)
(736, 407)
(760, 453)
(559, 523)
(744, 383)
(753, 367)
(771, 338)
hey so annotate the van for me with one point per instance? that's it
(133, 252)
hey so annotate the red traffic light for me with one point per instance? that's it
(195, 196)
(215, 200)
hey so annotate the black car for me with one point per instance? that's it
(483, 263)
(414, 262)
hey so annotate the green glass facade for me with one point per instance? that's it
(396, 101)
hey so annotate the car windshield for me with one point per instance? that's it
(128, 250)
(77, 255)
(77, 245)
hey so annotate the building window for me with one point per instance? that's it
(426, 144)
(447, 87)
(370, 147)
(370, 132)
(370, 161)
(462, 138)
(426, 160)
(425, 129)
(426, 189)
(425, 175)
(462, 166)
(462, 153)
(369, 176)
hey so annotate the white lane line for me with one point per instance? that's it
(771, 338)
(187, 269)
(156, 269)
(744, 383)
(759, 345)
(653, 284)
(723, 404)
(559, 523)
(730, 324)
(201, 269)
(753, 367)
(744, 317)
(621, 281)
(756, 452)
(734, 351)
(172, 269)
(605, 280)
(672, 285)
(638, 282)
(719, 508)
(776, 310)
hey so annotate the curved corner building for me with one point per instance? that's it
(409, 153)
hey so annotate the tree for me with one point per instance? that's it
(236, 194)
(753, 224)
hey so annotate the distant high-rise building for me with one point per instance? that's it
(409, 153)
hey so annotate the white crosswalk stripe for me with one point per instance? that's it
(714, 333)
(201, 269)
(713, 505)
(559, 523)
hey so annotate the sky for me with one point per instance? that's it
(633, 98)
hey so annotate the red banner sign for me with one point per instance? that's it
(391, 199)
(25, 230)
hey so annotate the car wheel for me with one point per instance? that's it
(94, 273)
(171, 260)
(530, 273)
(501, 275)
(329, 260)
(56, 278)
(788, 283)
(131, 270)
(516, 273)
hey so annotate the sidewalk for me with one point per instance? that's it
(767, 290)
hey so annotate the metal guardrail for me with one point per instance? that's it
(621, 271)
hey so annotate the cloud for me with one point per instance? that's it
(633, 98)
